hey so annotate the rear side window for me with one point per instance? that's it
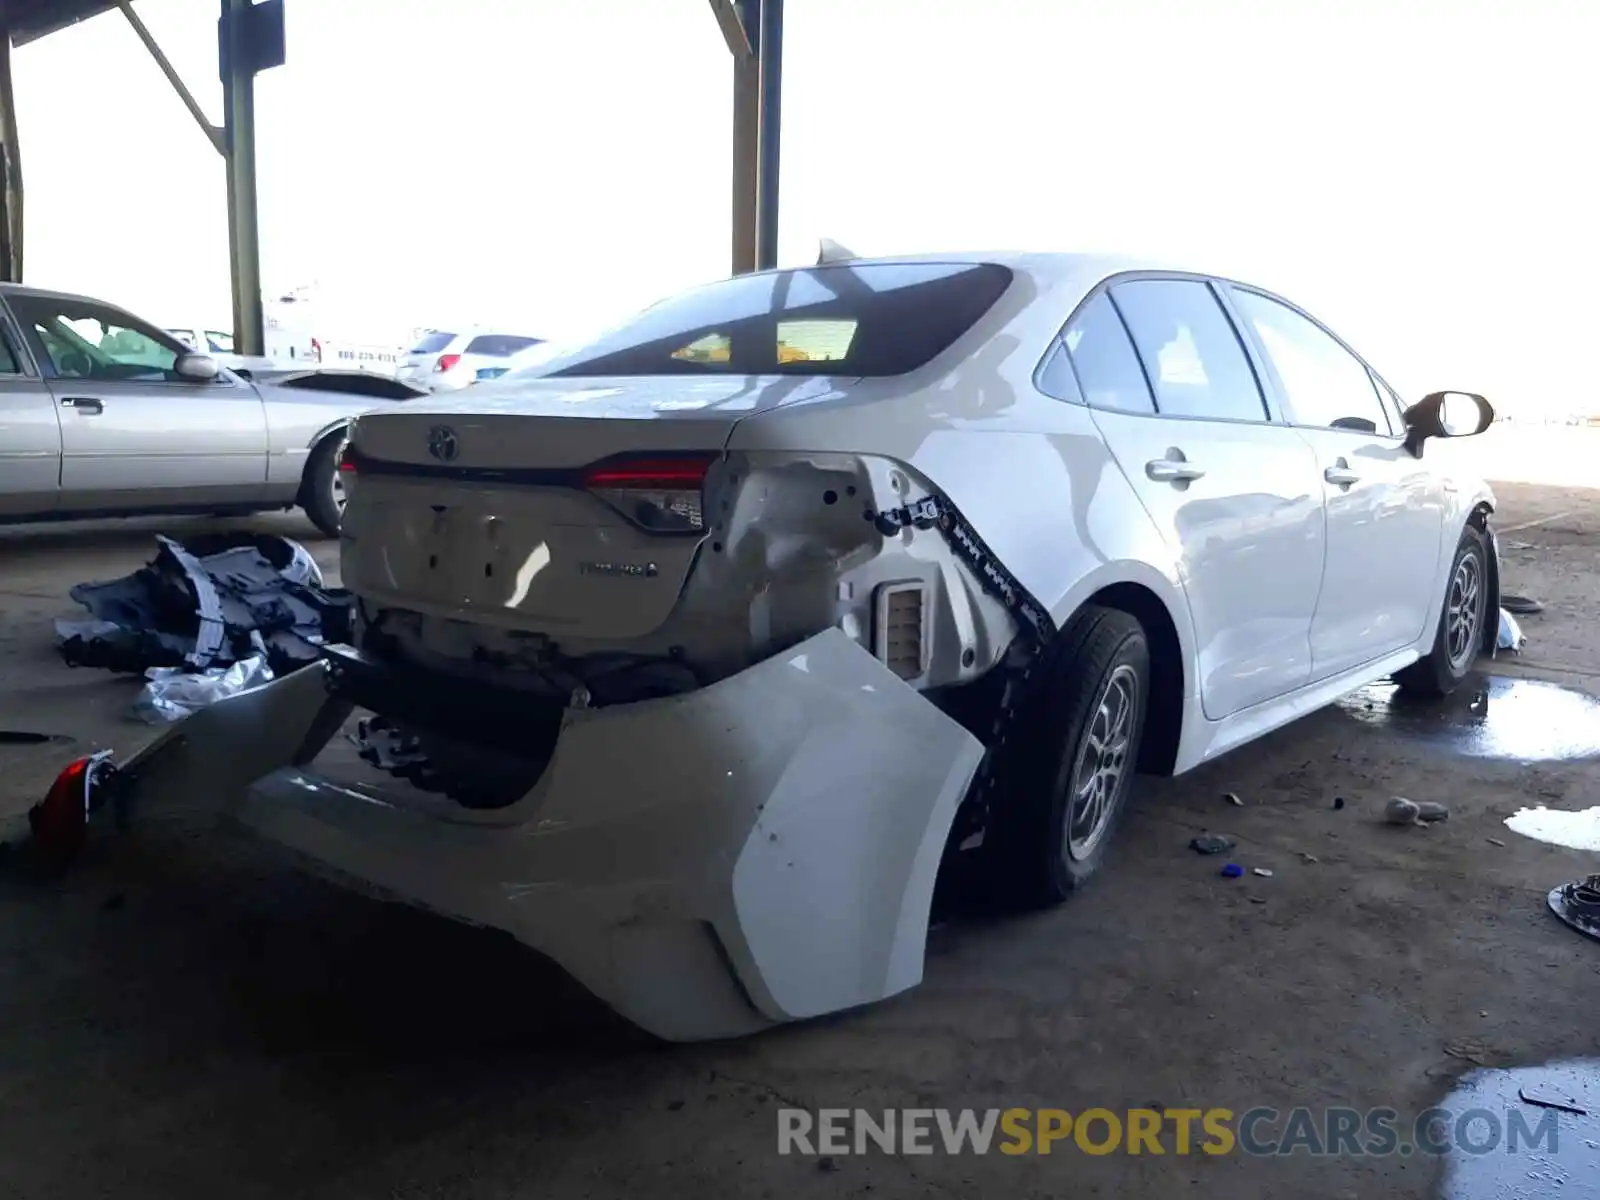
(1102, 356)
(1324, 385)
(1190, 350)
(871, 319)
(499, 345)
(432, 342)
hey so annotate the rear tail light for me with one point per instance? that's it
(446, 362)
(347, 459)
(60, 821)
(660, 495)
(316, 349)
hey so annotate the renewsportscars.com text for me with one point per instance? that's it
(1258, 1132)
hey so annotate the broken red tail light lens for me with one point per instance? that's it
(347, 459)
(60, 821)
(659, 495)
(446, 362)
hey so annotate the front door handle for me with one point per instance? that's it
(83, 404)
(1341, 475)
(1170, 470)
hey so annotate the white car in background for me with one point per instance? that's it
(727, 631)
(219, 345)
(528, 363)
(443, 361)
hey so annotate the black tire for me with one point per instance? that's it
(1073, 693)
(1459, 638)
(321, 492)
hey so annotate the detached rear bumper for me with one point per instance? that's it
(759, 851)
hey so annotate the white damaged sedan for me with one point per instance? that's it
(723, 634)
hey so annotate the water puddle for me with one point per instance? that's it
(1528, 1133)
(1522, 720)
(1575, 830)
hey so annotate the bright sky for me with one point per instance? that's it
(1419, 173)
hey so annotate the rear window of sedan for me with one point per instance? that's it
(866, 319)
(432, 342)
(499, 345)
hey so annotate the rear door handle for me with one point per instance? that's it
(1169, 470)
(1341, 476)
(83, 404)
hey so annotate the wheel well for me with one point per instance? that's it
(1479, 519)
(333, 435)
(1164, 719)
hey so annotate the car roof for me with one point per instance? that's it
(22, 289)
(1054, 272)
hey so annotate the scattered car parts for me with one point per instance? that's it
(212, 602)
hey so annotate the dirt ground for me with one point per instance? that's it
(185, 1011)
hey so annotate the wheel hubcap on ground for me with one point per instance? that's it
(1463, 611)
(1102, 763)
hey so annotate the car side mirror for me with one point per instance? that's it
(201, 368)
(1446, 414)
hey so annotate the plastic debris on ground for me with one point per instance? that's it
(380, 742)
(209, 604)
(1232, 871)
(1511, 636)
(1522, 606)
(1210, 843)
(172, 693)
(1400, 811)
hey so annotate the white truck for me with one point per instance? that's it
(297, 338)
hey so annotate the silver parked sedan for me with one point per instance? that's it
(103, 414)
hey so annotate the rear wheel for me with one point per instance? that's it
(1065, 774)
(322, 490)
(1461, 624)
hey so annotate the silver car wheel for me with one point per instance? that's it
(1102, 763)
(1463, 612)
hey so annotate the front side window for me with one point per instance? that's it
(1104, 360)
(84, 340)
(866, 319)
(219, 342)
(1324, 385)
(1190, 350)
(1397, 410)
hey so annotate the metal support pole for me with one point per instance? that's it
(176, 80)
(10, 171)
(239, 135)
(740, 21)
(769, 56)
(746, 171)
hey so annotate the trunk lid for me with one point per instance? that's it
(480, 508)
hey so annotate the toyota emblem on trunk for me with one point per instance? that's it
(442, 443)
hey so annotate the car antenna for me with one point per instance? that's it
(830, 251)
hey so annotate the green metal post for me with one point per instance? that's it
(10, 171)
(239, 132)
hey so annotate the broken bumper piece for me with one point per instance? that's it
(759, 851)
